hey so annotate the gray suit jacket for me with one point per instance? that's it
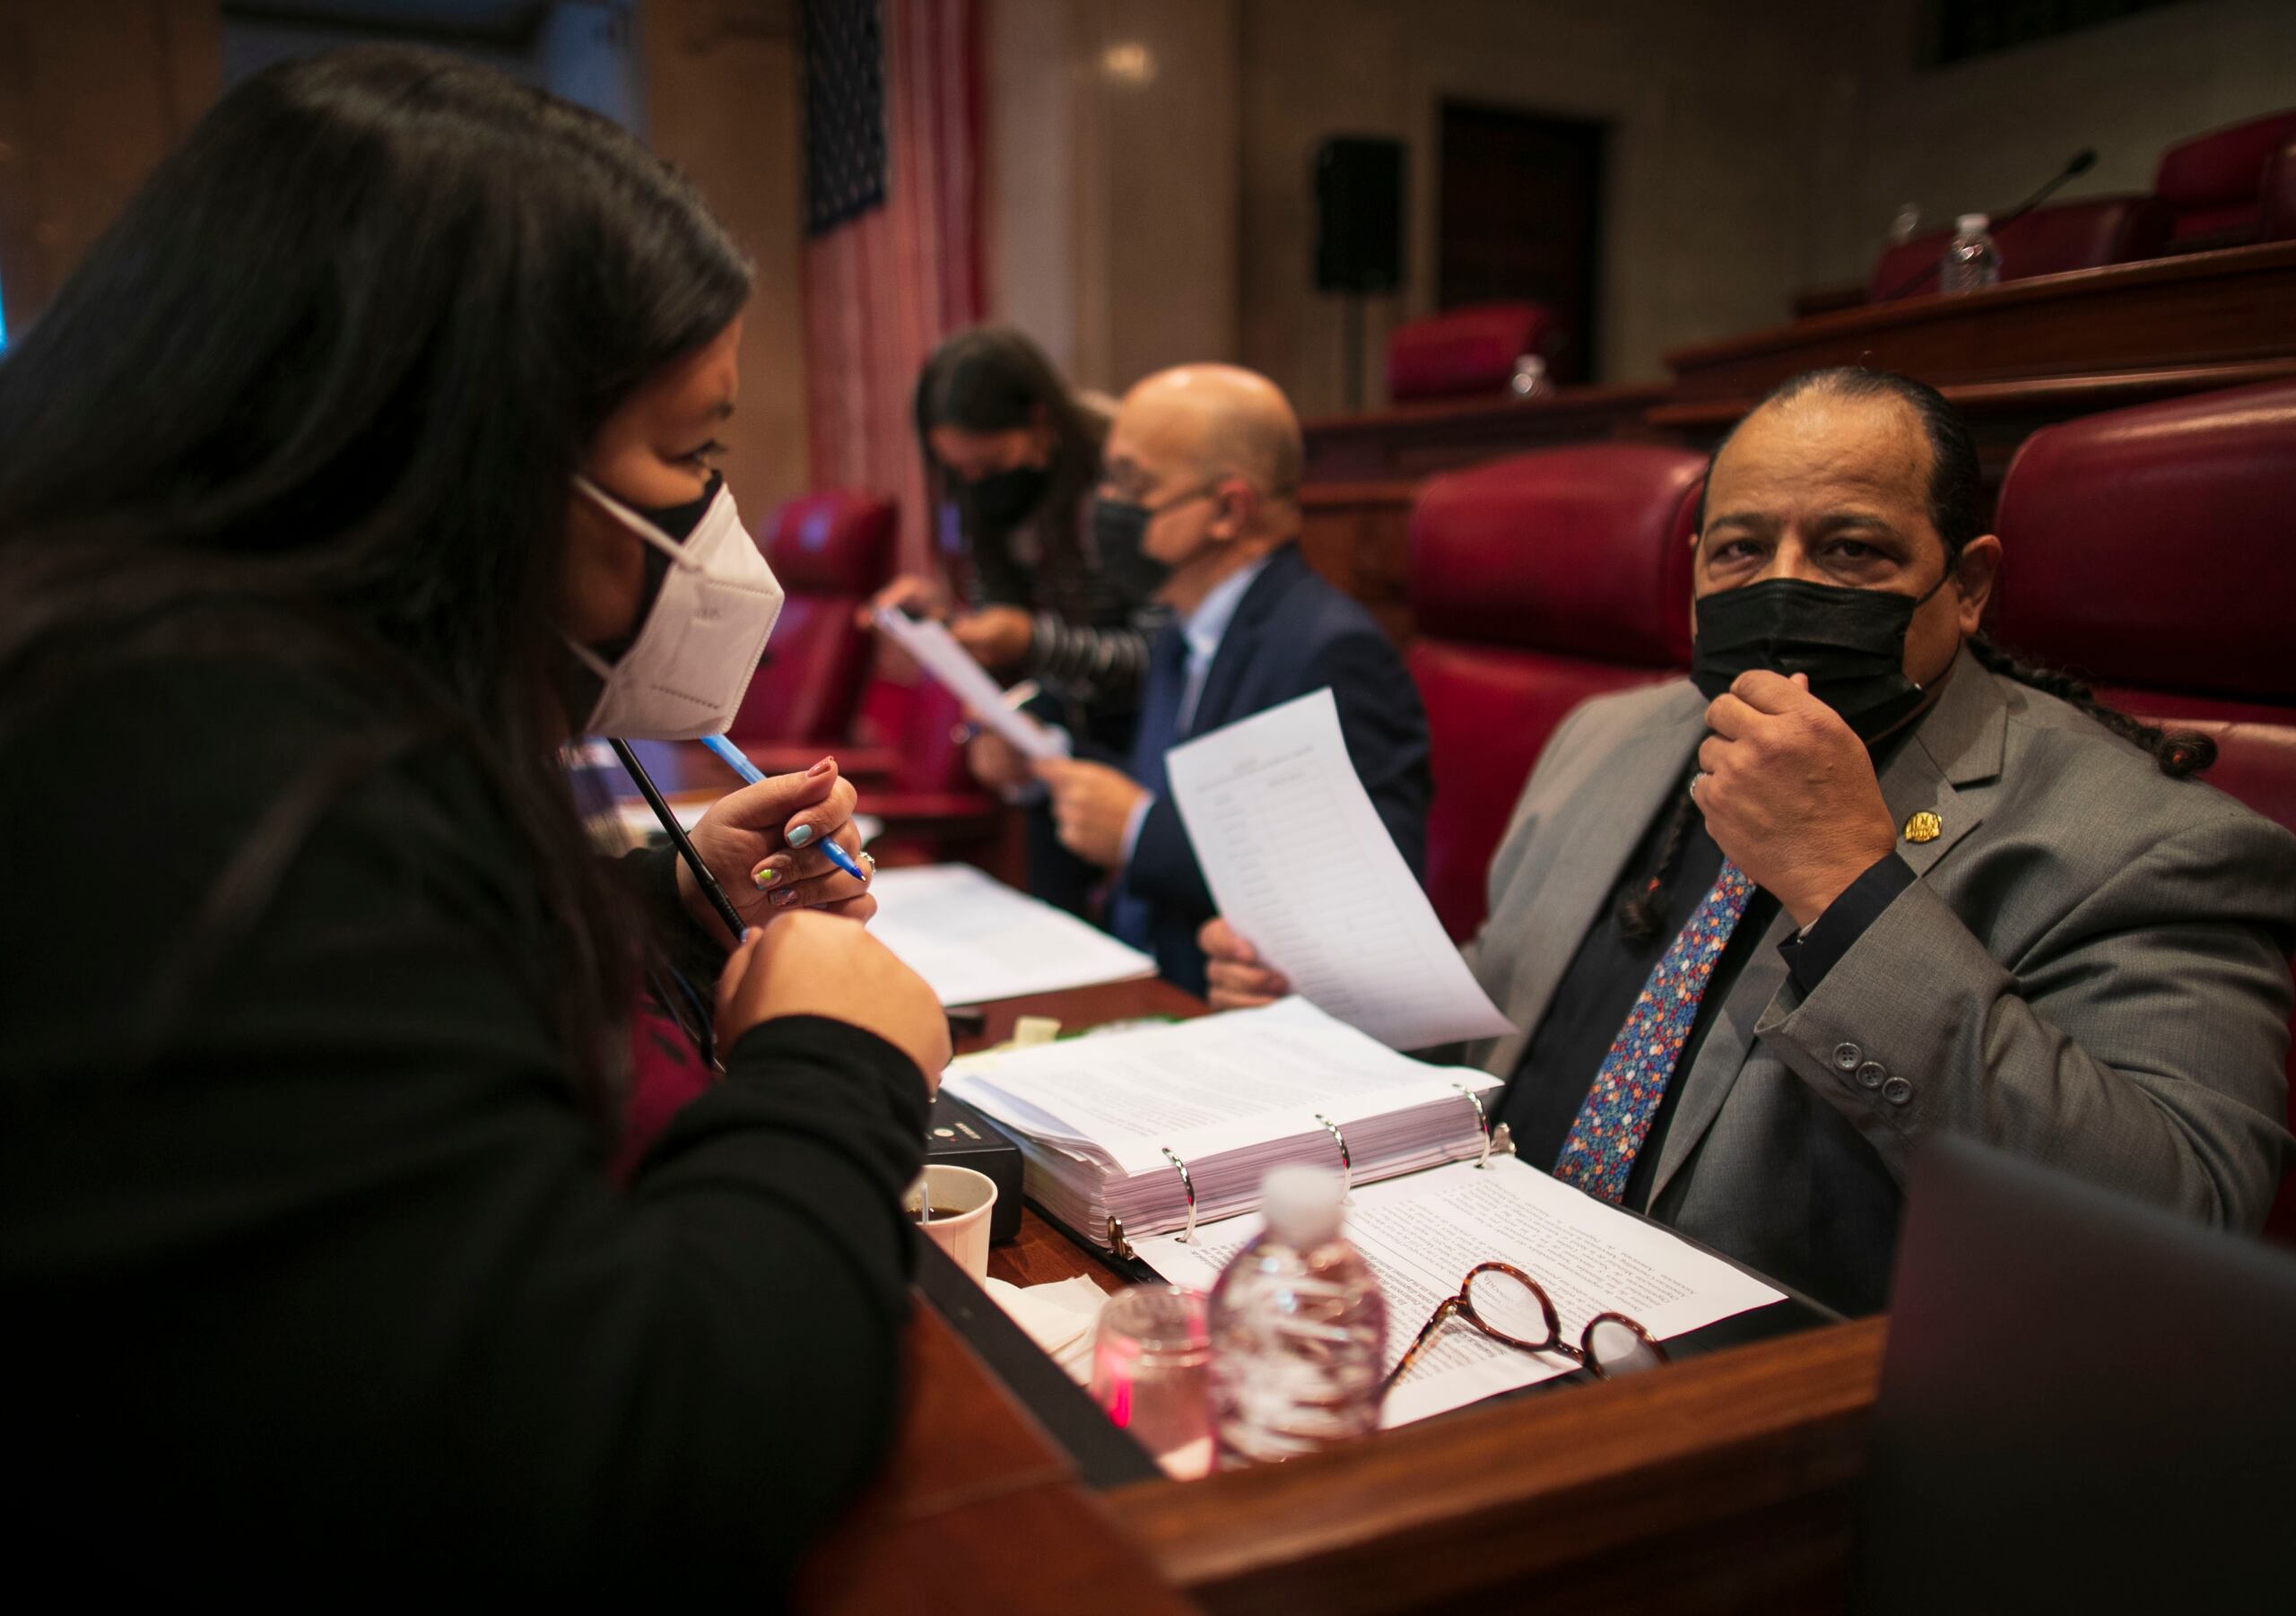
(2091, 971)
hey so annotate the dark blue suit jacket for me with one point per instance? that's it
(1292, 634)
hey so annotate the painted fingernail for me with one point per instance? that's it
(764, 876)
(820, 768)
(801, 836)
(783, 899)
(748, 932)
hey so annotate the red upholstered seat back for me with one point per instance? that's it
(2210, 182)
(2154, 550)
(2276, 196)
(1537, 582)
(1465, 351)
(831, 551)
(2046, 242)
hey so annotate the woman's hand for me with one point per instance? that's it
(809, 963)
(1235, 977)
(912, 592)
(763, 845)
(998, 637)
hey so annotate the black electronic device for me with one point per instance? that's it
(1359, 214)
(2084, 1403)
(958, 1135)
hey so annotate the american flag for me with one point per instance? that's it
(893, 261)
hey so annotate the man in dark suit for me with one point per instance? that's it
(1200, 500)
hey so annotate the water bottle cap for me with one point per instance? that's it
(1968, 224)
(1302, 1205)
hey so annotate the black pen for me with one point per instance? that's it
(686, 849)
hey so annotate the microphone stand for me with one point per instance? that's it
(2082, 161)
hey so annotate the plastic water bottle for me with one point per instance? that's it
(1530, 378)
(1972, 263)
(1298, 1329)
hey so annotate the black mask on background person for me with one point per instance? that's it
(1850, 642)
(1001, 499)
(1119, 528)
(1119, 533)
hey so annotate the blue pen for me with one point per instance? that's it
(732, 757)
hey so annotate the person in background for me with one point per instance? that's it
(1864, 878)
(1199, 507)
(1012, 453)
(367, 459)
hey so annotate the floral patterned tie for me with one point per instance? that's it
(1598, 1156)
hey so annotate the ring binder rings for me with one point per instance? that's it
(1188, 1186)
(1157, 1132)
(1346, 1163)
(1481, 1123)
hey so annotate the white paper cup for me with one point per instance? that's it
(971, 1196)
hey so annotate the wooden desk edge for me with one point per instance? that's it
(2105, 279)
(1501, 1493)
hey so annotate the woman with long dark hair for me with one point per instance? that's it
(1012, 454)
(367, 459)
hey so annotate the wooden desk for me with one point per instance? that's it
(2201, 316)
(1724, 1483)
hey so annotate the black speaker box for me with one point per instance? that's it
(1359, 214)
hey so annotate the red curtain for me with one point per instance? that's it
(883, 289)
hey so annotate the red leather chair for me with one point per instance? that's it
(1537, 580)
(2046, 242)
(831, 551)
(2210, 182)
(1465, 352)
(2276, 196)
(2155, 550)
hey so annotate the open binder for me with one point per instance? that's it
(1150, 1130)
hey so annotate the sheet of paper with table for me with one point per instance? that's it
(976, 939)
(1422, 1233)
(1300, 863)
(934, 649)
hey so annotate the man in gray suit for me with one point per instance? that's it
(1864, 878)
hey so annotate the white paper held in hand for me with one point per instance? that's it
(934, 649)
(1299, 863)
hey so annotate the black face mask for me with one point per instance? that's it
(1003, 499)
(1850, 642)
(1120, 532)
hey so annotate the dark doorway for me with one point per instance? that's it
(1520, 215)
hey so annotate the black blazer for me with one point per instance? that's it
(1292, 634)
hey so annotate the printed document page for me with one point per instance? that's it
(1424, 1232)
(936, 651)
(1300, 863)
(976, 939)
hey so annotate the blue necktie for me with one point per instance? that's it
(1160, 715)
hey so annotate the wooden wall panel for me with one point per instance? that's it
(92, 92)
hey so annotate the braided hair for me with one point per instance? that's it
(1955, 487)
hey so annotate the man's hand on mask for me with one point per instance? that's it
(1092, 805)
(998, 637)
(1788, 793)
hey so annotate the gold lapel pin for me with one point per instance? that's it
(1924, 827)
